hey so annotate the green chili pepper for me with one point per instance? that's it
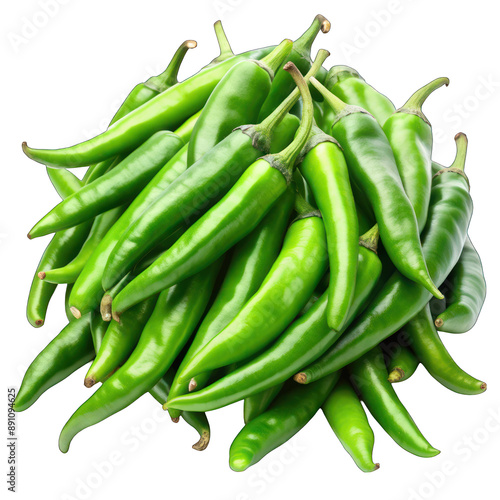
(67, 310)
(369, 375)
(400, 299)
(302, 342)
(70, 272)
(465, 290)
(256, 404)
(347, 418)
(186, 129)
(87, 292)
(402, 360)
(235, 101)
(433, 355)
(175, 317)
(166, 111)
(98, 329)
(65, 182)
(196, 420)
(119, 341)
(325, 170)
(251, 260)
(114, 188)
(349, 86)
(283, 84)
(410, 136)
(238, 213)
(373, 168)
(285, 290)
(288, 414)
(70, 350)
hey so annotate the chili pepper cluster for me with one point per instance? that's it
(266, 231)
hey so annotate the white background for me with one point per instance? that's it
(62, 82)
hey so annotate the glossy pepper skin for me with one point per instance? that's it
(119, 342)
(114, 188)
(300, 344)
(166, 111)
(400, 299)
(284, 292)
(402, 362)
(100, 226)
(69, 350)
(205, 182)
(87, 291)
(348, 420)
(256, 404)
(349, 86)
(174, 319)
(288, 414)
(198, 188)
(410, 136)
(251, 260)
(373, 169)
(62, 249)
(230, 220)
(235, 101)
(300, 55)
(65, 182)
(98, 329)
(325, 170)
(369, 375)
(465, 291)
(432, 353)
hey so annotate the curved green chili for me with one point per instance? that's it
(465, 291)
(114, 188)
(410, 136)
(70, 272)
(300, 55)
(285, 290)
(67, 310)
(348, 420)
(288, 414)
(349, 86)
(238, 213)
(174, 319)
(98, 329)
(369, 375)
(432, 353)
(251, 260)
(68, 351)
(400, 299)
(65, 182)
(325, 170)
(373, 168)
(119, 341)
(235, 101)
(301, 343)
(87, 291)
(256, 404)
(166, 111)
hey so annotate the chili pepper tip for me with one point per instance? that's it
(192, 385)
(396, 375)
(377, 467)
(439, 322)
(484, 386)
(300, 377)
(75, 312)
(39, 322)
(89, 382)
(175, 420)
(41, 275)
(203, 442)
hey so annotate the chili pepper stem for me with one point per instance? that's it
(415, 102)
(105, 307)
(458, 165)
(370, 239)
(439, 322)
(225, 48)
(285, 160)
(170, 76)
(203, 442)
(337, 105)
(300, 378)
(273, 60)
(304, 43)
(89, 382)
(192, 385)
(396, 375)
(75, 312)
(175, 420)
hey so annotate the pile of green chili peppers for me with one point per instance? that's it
(267, 231)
